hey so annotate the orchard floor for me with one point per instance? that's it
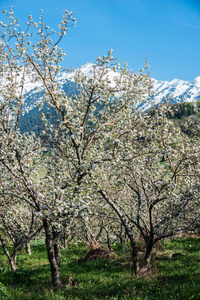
(175, 274)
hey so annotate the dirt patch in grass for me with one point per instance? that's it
(98, 253)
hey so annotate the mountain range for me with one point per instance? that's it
(176, 91)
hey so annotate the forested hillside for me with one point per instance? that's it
(186, 115)
(31, 121)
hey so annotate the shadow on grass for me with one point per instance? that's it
(177, 277)
(189, 244)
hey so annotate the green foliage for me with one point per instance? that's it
(185, 109)
(32, 121)
(3, 291)
(175, 275)
(186, 115)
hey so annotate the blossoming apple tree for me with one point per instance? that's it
(153, 184)
(52, 174)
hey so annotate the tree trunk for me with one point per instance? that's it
(136, 266)
(147, 260)
(134, 249)
(54, 256)
(147, 257)
(13, 264)
(28, 248)
(108, 241)
(64, 241)
(12, 258)
(57, 253)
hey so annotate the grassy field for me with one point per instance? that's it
(175, 274)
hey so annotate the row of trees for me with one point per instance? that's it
(101, 157)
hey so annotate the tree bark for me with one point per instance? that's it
(12, 258)
(28, 248)
(54, 256)
(147, 257)
(63, 241)
(13, 262)
(57, 253)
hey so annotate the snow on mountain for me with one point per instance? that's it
(178, 90)
(175, 91)
(64, 75)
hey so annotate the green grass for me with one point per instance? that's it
(175, 274)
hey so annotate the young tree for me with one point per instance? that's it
(156, 176)
(87, 126)
(18, 225)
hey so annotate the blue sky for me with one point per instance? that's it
(168, 31)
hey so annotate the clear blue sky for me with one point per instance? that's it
(167, 30)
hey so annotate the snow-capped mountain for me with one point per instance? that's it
(34, 95)
(175, 91)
